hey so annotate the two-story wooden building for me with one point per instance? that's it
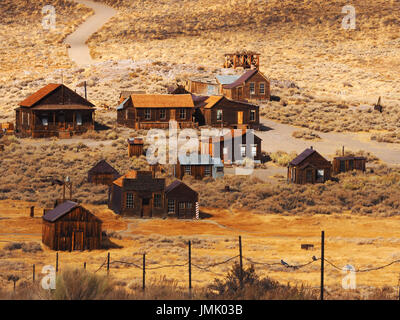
(309, 167)
(147, 111)
(219, 111)
(54, 110)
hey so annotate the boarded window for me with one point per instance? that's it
(157, 200)
(219, 115)
(171, 206)
(252, 88)
(129, 200)
(262, 88)
(147, 114)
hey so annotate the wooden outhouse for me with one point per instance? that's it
(69, 227)
(135, 147)
(349, 163)
(182, 201)
(219, 111)
(102, 173)
(138, 193)
(54, 110)
(309, 167)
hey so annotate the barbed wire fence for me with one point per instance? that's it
(141, 265)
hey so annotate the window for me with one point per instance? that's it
(207, 171)
(220, 169)
(162, 114)
(157, 200)
(252, 88)
(211, 89)
(171, 206)
(147, 114)
(252, 115)
(219, 115)
(181, 205)
(129, 200)
(351, 164)
(45, 121)
(262, 88)
(188, 205)
(254, 151)
(79, 119)
(243, 151)
(188, 170)
(320, 175)
(182, 114)
(342, 166)
(225, 151)
(293, 174)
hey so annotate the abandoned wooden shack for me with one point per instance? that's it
(135, 147)
(54, 110)
(203, 86)
(348, 163)
(182, 201)
(244, 59)
(138, 193)
(102, 173)
(233, 146)
(147, 111)
(219, 111)
(309, 167)
(70, 227)
(252, 85)
(198, 166)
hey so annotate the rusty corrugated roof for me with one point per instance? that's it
(162, 101)
(39, 95)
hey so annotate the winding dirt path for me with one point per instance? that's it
(79, 51)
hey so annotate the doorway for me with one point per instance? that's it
(146, 207)
(240, 117)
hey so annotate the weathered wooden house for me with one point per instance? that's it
(138, 193)
(182, 201)
(252, 85)
(54, 110)
(135, 147)
(309, 167)
(244, 59)
(203, 86)
(147, 111)
(219, 111)
(198, 166)
(348, 163)
(102, 173)
(70, 227)
(233, 147)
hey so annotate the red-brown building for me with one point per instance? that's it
(54, 110)
(102, 173)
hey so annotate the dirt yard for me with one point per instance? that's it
(363, 242)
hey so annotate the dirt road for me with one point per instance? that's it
(79, 51)
(280, 138)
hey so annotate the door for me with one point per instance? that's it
(240, 117)
(146, 207)
(172, 114)
(77, 240)
(309, 176)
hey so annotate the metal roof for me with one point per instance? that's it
(121, 106)
(162, 101)
(60, 211)
(39, 95)
(302, 156)
(243, 78)
(199, 159)
(227, 79)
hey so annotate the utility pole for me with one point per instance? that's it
(190, 268)
(322, 263)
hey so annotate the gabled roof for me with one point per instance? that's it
(60, 211)
(174, 185)
(212, 101)
(185, 190)
(302, 156)
(135, 141)
(243, 78)
(129, 175)
(39, 95)
(122, 105)
(162, 100)
(103, 167)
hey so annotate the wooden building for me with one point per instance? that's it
(102, 173)
(233, 147)
(135, 147)
(147, 111)
(219, 111)
(348, 163)
(204, 86)
(70, 227)
(252, 85)
(138, 193)
(244, 59)
(54, 110)
(198, 166)
(182, 201)
(309, 167)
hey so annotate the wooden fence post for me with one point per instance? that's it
(56, 262)
(322, 263)
(84, 265)
(108, 263)
(144, 272)
(33, 273)
(241, 261)
(190, 267)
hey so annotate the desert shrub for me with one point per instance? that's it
(31, 247)
(282, 158)
(307, 135)
(13, 246)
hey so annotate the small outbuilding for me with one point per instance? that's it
(69, 226)
(182, 201)
(135, 147)
(198, 166)
(349, 163)
(309, 167)
(102, 173)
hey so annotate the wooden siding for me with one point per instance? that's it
(348, 164)
(306, 171)
(196, 171)
(242, 93)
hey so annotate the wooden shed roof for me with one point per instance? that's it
(243, 78)
(39, 95)
(182, 190)
(60, 211)
(212, 101)
(302, 156)
(103, 167)
(162, 100)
